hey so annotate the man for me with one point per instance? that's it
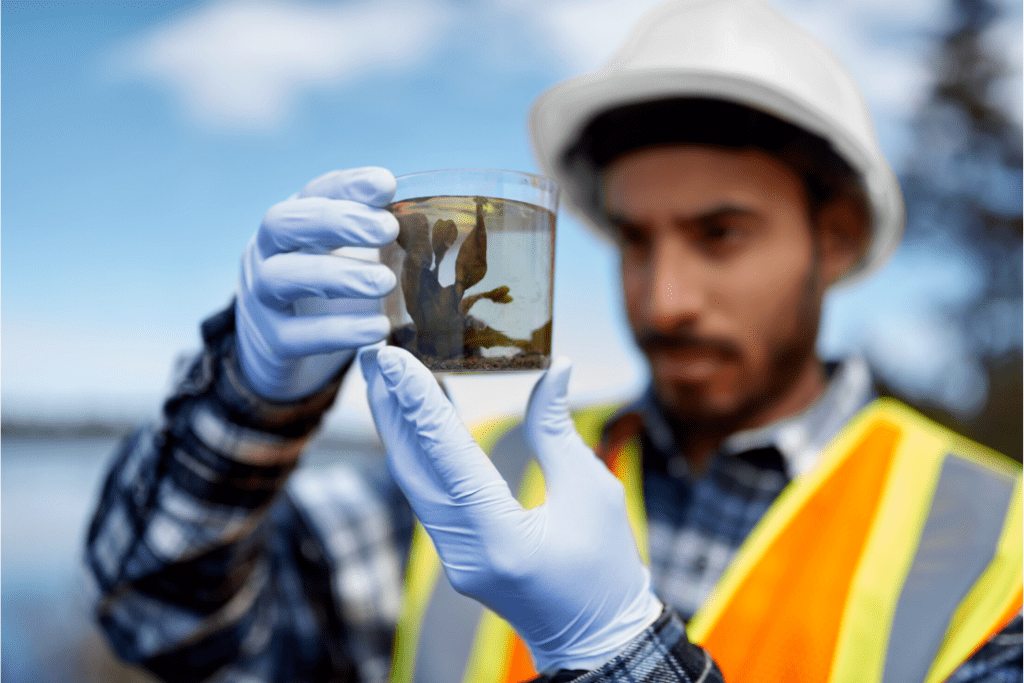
(732, 160)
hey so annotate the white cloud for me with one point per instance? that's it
(245, 63)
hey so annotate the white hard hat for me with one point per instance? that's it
(739, 51)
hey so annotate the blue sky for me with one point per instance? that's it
(143, 141)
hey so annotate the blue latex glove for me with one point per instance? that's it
(300, 310)
(566, 575)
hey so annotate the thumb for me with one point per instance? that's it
(550, 430)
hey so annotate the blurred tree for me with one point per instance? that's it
(963, 188)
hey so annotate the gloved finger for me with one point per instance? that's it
(368, 185)
(550, 431)
(461, 467)
(319, 224)
(291, 336)
(283, 278)
(411, 472)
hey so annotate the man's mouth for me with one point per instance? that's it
(688, 364)
(685, 357)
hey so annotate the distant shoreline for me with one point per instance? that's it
(53, 429)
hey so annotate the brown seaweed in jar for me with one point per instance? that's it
(475, 278)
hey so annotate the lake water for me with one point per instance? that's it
(48, 488)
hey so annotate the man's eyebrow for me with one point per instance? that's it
(718, 211)
(715, 211)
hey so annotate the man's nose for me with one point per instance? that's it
(677, 295)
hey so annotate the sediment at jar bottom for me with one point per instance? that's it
(532, 354)
(522, 361)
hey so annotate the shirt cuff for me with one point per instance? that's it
(227, 442)
(661, 653)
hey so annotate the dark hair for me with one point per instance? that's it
(701, 121)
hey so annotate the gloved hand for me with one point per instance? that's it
(567, 574)
(301, 311)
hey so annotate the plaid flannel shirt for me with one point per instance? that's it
(208, 568)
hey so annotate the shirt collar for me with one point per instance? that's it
(799, 438)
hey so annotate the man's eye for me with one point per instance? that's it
(716, 232)
(719, 232)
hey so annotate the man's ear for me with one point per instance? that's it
(842, 229)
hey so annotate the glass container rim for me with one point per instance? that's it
(547, 183)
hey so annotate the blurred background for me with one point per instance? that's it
(143, 141)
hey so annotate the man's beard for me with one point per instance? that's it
(783, 365)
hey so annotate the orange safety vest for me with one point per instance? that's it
(894, 560)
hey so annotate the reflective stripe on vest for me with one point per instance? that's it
(894, 560)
